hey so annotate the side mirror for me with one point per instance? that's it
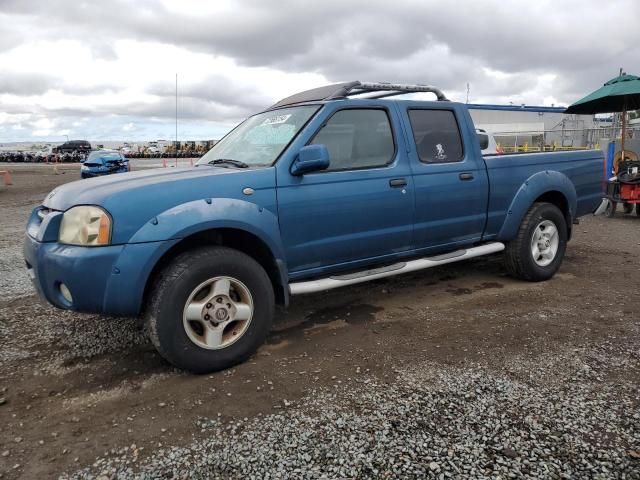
(311, 158)
(483, 138)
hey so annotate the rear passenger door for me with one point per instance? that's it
(358, 209)
(450, 180)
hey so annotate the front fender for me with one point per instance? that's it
(535, 186)
(200, 215)
(125, 288)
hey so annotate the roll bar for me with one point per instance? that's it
(349, 89)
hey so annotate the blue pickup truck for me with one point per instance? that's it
(327, 188)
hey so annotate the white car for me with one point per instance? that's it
(44, 152)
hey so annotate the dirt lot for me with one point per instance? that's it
(457, 372)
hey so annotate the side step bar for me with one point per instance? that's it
(336, 281)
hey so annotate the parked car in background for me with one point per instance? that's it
(104, 162)
(45, 153)
(324, 189)
(71, 146)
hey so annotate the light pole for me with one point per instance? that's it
(176, 119)
(67, 137)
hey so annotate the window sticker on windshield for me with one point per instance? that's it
(276, 119)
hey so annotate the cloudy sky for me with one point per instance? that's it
(105, 69)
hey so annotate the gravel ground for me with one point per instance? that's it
(455, 372)
(549, 417)
(14, 281)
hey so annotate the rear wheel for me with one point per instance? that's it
(537, 251)
(638, 209)
(627, 207)
(210, 309)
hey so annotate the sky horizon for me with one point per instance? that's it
(106, 70)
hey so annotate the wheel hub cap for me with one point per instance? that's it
(218, 312)
(544, 243)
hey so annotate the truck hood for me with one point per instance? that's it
(134, 198)
(96, 190)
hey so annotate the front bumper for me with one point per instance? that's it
(85, 271)
(109, 279)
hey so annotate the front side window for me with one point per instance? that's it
(437, 136)
(357, 138)
(260, 139)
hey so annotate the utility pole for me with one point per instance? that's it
(468, 89)
(176, 119)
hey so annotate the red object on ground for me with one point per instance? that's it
(630, 193)
(6, 177)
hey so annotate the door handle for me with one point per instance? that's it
(466, 176)
(398, 182)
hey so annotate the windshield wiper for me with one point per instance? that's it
(228, 161)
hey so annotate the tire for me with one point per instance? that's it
(638, 209)
(610, 212)
(519, 253)
(185, 343)
(627, 207)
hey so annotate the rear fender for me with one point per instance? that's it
(535, 186)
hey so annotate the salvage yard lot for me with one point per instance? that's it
(458, 371)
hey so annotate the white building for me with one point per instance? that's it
(534, 126)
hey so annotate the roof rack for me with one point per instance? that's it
(348, 89)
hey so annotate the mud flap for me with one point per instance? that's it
(603, 207)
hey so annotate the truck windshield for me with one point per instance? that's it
(259, 140)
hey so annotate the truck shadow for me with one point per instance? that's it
(364, 303)
(113, 350)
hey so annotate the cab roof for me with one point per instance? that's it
(352, 89)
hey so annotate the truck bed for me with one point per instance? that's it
(510, 173)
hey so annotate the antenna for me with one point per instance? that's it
(176, 119)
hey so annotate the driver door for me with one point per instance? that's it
(357, 211)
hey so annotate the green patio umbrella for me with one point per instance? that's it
(617, 95)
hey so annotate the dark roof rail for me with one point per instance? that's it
(346, 89)
(390, 89)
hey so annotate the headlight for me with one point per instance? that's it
(85, 225)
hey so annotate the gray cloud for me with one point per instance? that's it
(103, 51)
(424, 39)
(216, 89)
(75, 88)
(26, 83)
(579, 44)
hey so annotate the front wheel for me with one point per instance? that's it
(537, 251)
(210, 309)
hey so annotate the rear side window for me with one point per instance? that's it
(437, 136)
(357, 138)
